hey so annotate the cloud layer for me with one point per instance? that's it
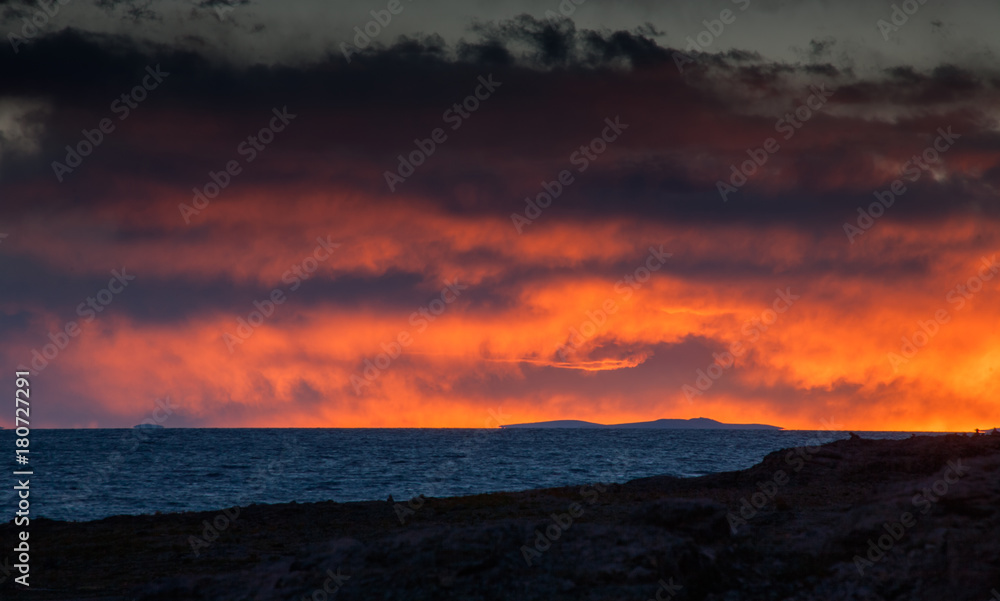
(601, 219)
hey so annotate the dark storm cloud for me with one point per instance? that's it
(158, 299)
(559, 83)
(667, 367)
(353, 114)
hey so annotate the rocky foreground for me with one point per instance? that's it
(915, 519)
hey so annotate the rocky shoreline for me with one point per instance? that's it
(864, 520)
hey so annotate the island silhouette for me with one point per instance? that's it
(697, 423)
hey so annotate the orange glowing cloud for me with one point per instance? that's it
(538, 351)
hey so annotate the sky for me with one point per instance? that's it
(467, 214)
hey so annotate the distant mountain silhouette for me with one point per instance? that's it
(697, 423)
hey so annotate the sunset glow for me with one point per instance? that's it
(426, 307)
